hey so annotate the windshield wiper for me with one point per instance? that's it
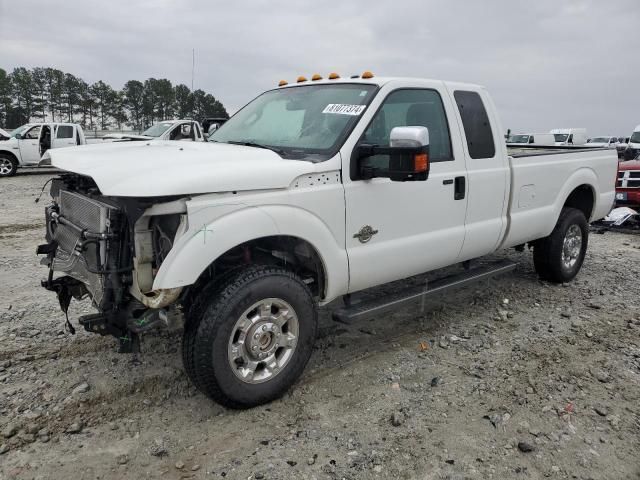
(257, 145)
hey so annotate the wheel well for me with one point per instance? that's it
(581, 198)
(4, 153)
(290, 252)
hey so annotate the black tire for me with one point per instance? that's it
(12, 163)
(547, 252)
(212, 322)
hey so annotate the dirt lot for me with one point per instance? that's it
(514, 378)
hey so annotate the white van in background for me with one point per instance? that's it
(633, 147)
(531, 139)
(570, 136)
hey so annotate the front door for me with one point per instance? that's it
(398, 229)
(30, 146)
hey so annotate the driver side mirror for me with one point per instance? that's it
(408, 154)
(18, 136)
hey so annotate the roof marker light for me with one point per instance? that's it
(367, 74)
(316, 76)
(301, 79)
(333, 76)
(282, 83)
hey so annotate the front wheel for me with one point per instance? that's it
(559, 257)
(251, 339)
(8, 166)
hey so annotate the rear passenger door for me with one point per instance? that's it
(487, 165)
(64, 136)
(398, 229)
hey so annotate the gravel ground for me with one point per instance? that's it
(513, 378)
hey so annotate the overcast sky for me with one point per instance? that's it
(547, 63)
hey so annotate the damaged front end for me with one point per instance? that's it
(104, 249)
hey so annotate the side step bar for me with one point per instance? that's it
(378, 306)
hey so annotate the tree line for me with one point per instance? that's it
(50, 94)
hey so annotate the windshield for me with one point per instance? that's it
(635, 137)
(600, 140)
(158, 129)
(309, 121)
(19, 130)
(518, 139)
(560, 137)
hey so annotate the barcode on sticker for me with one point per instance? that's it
(343, 109)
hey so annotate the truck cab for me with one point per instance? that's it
(27, 144)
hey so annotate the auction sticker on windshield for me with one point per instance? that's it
(344, 109)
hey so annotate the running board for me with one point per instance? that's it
(378, 306)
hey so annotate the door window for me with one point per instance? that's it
(64, 131)
(410, 107)
(33, 133)
(475, 121)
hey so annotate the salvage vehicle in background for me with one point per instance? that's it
(623, 143)
(633, 147)
(628, 183)
(603, 142)
(28, 143)
(570, 136)
(211, 124)
(166, 130)
(531, 139)
(311, 192)
(4, 135)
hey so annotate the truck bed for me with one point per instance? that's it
(542, 178)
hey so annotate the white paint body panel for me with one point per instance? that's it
(235, 194)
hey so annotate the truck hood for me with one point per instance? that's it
(126, 136)
(163, 168)
(629, 165)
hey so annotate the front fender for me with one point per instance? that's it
(204, 242)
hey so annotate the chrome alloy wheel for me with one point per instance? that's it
(5, 166)
(263, 340)
(571, 247)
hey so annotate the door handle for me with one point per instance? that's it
(460, 188)
(448, 181)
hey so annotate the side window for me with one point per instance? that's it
(64, 131)
(475, 121)
(411, 107)
(33, 133)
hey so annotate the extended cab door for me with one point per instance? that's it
(64, 136)
(487, 164)
(398, 229)
(30, 145)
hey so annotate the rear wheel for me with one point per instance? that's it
(559, 257)
(8, 165)
(251, 340)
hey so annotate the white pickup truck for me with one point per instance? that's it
(188, 130)
(311, 192)
(28, 143)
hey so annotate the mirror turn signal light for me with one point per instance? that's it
(282, 83)
(367, 74)
(316, 76)
(301, 79)
(420, 162)
(333, 76)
